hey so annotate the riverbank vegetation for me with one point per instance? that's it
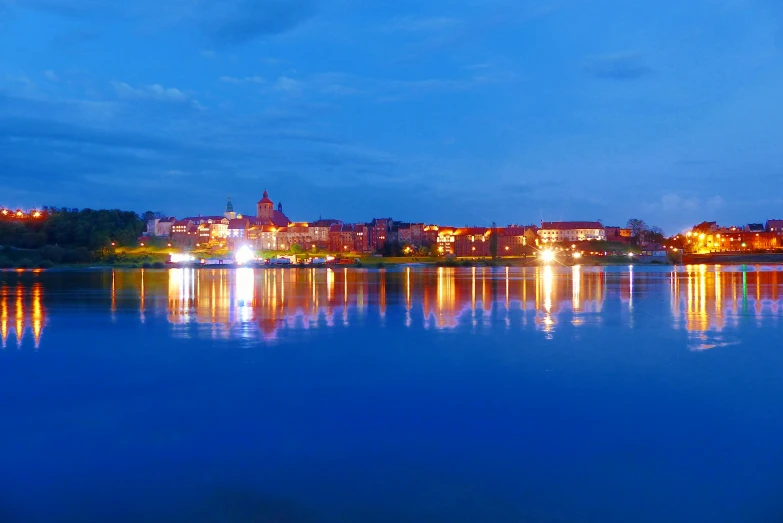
(57, 236)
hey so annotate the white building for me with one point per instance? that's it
(552, 232)
(160, 227)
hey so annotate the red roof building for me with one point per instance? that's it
(267, 215)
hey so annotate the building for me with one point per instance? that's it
(617, 234)
(348, 238)
(408, 233)
(517, 240)
(430, 235)
(160, 227)
(218, 229)
(514, 240)
(755, 227)
(295, 234)
(230, 214)
(184, 234)
(706, 227)
(377, 232)
(472, 241)
(319, 232)
(262, 237)
(237, 233)
(267, 215)
(554, 232)
(774, 225)
(446, 240)
(732, 239)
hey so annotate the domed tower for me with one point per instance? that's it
(230, 214)
(265, 207)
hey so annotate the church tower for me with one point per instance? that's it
(265, 207)
(230, 214)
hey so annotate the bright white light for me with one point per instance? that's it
(180, 258)
(577, 255)
(244, 255)
(548, 256)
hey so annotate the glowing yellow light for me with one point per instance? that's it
(244, 255)
(548, 255)
(178, 258)
(19, 213)
(142, 244)
(701, 236)
(577, 255)
(5, 212)
(36, 214)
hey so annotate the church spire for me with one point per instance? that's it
(230, 214)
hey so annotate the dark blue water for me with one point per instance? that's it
(416, 395)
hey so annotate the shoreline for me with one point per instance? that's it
(379, 263)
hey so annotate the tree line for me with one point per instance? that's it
(71, 234)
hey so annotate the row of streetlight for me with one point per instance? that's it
(21, 214)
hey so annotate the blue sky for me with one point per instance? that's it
(456, 112)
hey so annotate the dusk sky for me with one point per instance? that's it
(454, 112)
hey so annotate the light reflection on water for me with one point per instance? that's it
(259, 303)
(21, 312)
(469, 394)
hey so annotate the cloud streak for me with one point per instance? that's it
(624, 66)
(222, 21)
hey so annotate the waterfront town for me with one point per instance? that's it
(268, 229)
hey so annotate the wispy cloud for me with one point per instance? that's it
(418, 24)
(243, 80)
(623, 66)
(343, 84)
(289, 85)
(51, 75)
(223, 21)
(150, 92)
(74, 39)
(236, 21)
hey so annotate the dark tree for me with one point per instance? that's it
(638, 227)
(493, 241)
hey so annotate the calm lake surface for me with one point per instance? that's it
(398, 395)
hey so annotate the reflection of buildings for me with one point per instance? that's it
(252, 302)
(708, 298)
(21, 312)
